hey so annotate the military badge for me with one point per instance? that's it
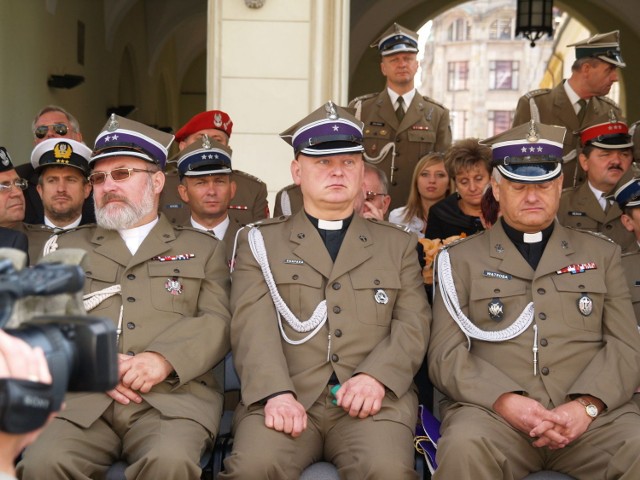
(217, 120)
(4, 157)
(113, 123)
(173, 286)
(62, 152)
(585, 305)
(496, 309)
(499, 248)
(577, 268)
(381, 297)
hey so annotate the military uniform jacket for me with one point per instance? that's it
(249, 204)
(424, 129)
(189, 328)
(288, 201)
(385, 338)
(631, 264)
(555, 108)
(580, 209)
(593, 353)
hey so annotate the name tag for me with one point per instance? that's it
(501, 276)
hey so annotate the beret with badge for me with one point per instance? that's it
(205, 157)
(61, 152)
(528, 153)
(396, 39)
(124, 137)
(329, 130)
(211, 119)
(603, 46)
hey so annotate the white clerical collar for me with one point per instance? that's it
(73, 224)
(532, 237)
(219, 230)
(133, 237)
(330, 224)
(406, 97)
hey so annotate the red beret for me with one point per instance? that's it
(211, 119)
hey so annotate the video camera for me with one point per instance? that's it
(80, 350)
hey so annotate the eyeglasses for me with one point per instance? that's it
(60, 129)
(371, 196)
(117, 174)
(20, 183)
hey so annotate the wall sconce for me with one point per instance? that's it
(534, 18)
(254, 3)
(64, 81)
(121, 110)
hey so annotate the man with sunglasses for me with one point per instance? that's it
(50, 122)
(166, 289)
(579, 100)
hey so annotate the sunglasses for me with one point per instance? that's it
(371, 196)
(117, 174)
(20, 183)
(60, 129)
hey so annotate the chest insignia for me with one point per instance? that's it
(292, 261)
(381, 297)
(174, 258)
(501, 276)
(585, 305)
(577, 268)
(237, 207)
(496, 309)
(377, 124)
(173, 286)
(420, 127)
(577, 214)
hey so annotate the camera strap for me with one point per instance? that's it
(24, 405)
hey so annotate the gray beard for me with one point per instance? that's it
(126, 214)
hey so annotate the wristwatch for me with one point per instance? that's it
(589, 407)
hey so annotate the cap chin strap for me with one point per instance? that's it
(450, 297)
(318, 317)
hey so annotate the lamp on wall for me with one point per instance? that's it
(64, 81)
(534, 18)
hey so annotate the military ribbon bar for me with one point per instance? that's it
(577, 268)
(173, 258)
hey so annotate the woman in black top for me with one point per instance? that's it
(469, 164)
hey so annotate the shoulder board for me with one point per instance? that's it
(362, 98)
(248, 176)
(189, 228)
(291, 186)
(431, 100)
(268, 221)
(37, 227)
(535, 93)
(78, 228)
(460, 240)
(569, 189)
(395, 226)
(595, 234)
(628, 254)
(610, 102)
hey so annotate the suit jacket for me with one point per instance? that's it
(593, 353)
(424, 129)
(10, 238)
(189, 328)
(580, 209)
(292, 204)
(249, 204)
(385, 339)
(631, 264)
(555, 108)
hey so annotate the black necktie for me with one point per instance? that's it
(400, 109)
(583, 110)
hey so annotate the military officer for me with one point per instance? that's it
(206, 187)
(533, 341)
(330, 323)
(250, 200)
(166, 289)
(606, 155)
(61, 166)
(400, 125)
(579, 100)
(11, 193)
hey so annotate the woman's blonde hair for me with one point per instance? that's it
(414, 206)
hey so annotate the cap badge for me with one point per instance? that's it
(585, 305)
(173, 286)
(205, 142)
(532, 135)
(496, 309)
(113, 123)
(4, 158)
(330, 108)
(381, 297)
(62, 151)
(612, 116)
(217, 120)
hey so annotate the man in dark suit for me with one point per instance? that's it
(580, 100)
(166, 289)
(327, 305)
(533, 341)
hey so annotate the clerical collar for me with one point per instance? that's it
(519, 237)
(330, 224)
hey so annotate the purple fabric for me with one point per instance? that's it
(326, 129)
(428, 426)
(127, 140)
(525, 149)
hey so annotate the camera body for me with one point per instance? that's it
(81, 350)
